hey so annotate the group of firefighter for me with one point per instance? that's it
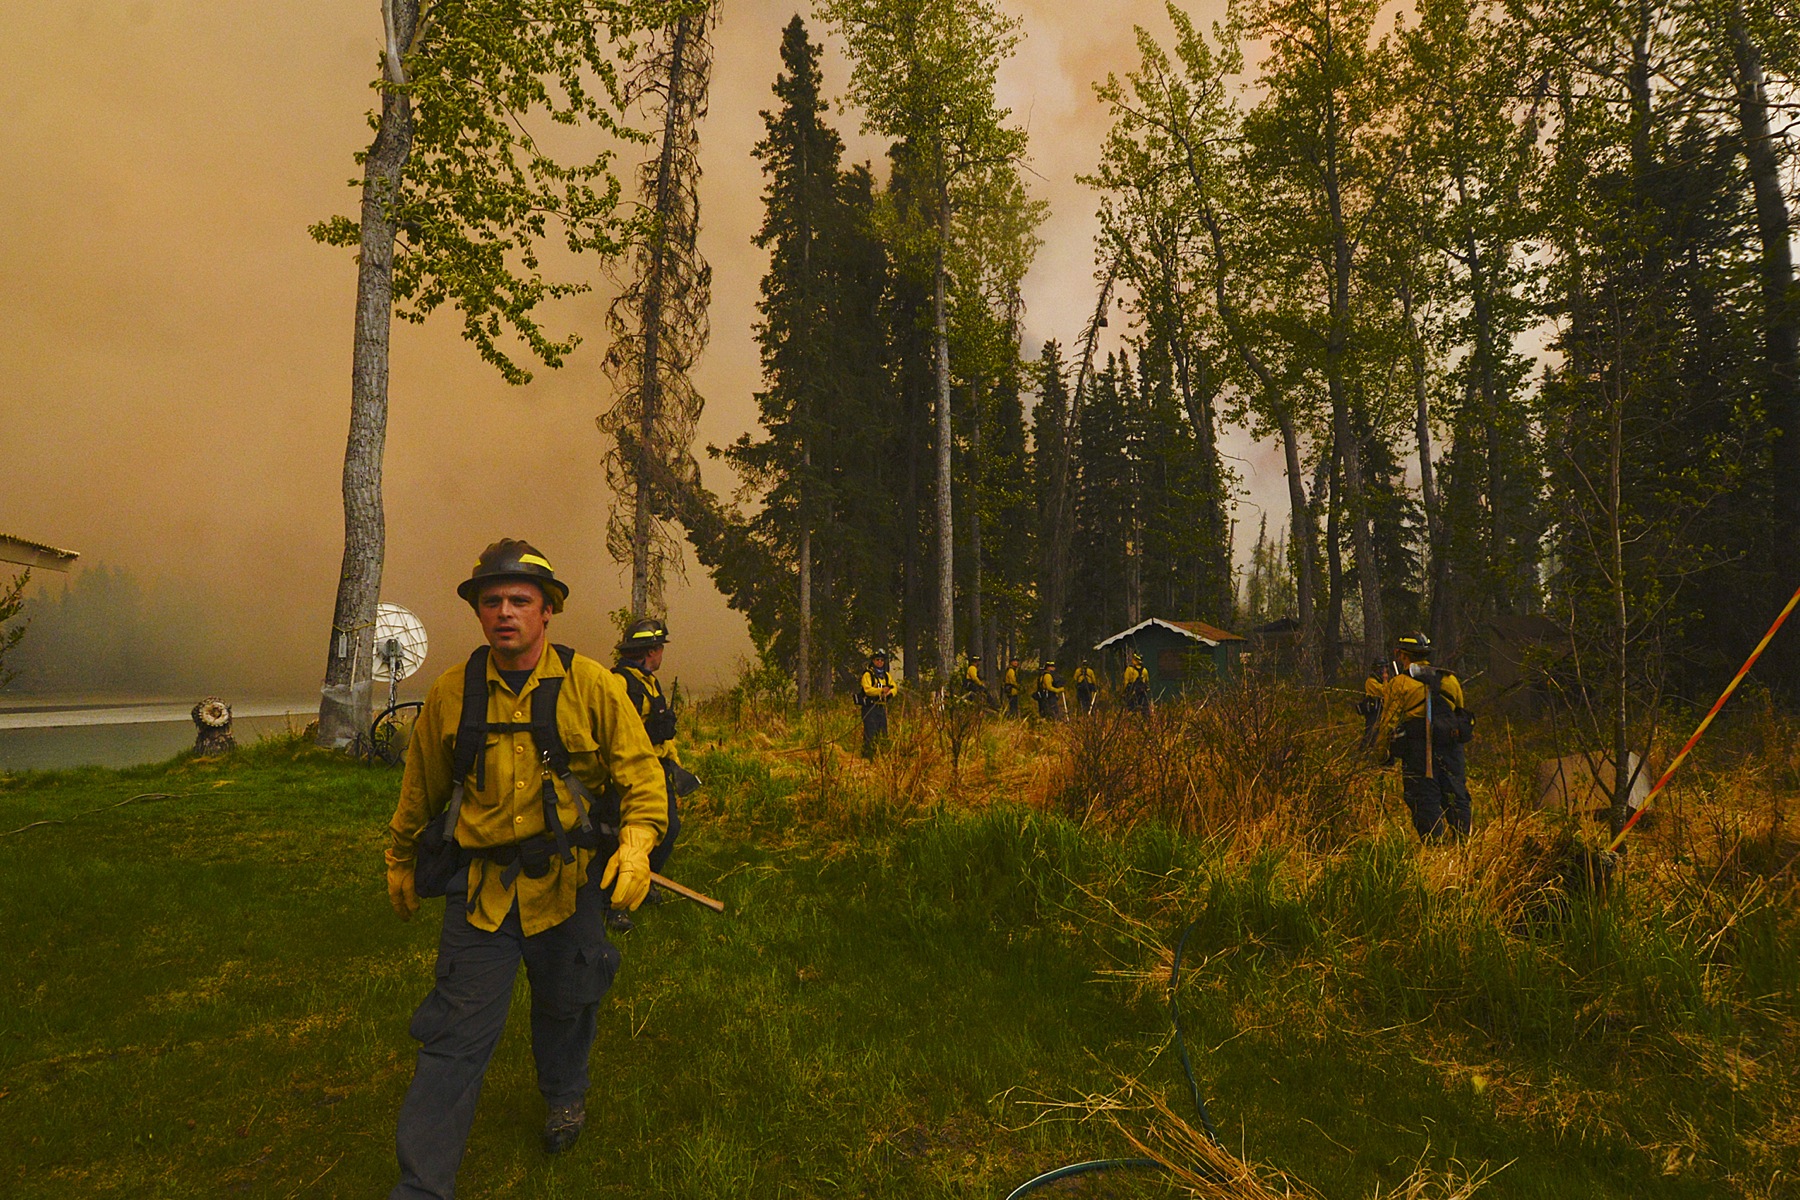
(877, 687)
(540, 800)
(1414, 713)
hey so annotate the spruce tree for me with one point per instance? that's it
(1049, 433)
(658, 321)
(1106, 534)
(819, 469)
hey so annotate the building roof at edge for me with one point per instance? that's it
(1199, 631)
(68, 556)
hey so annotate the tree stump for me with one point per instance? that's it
(212, 722)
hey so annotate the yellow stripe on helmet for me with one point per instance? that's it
(536, 561)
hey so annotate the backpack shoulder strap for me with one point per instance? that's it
(635, 690)
(548, 735)
(472, 724)
(544, 729)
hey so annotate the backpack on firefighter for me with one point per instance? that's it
(1451, 724)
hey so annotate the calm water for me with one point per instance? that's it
(120, 745)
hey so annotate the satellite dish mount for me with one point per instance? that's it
(400, 646)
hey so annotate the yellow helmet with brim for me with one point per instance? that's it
(511, 558)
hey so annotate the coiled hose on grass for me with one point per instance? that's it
(1187, 1069)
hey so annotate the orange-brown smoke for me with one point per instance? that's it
(176, 370)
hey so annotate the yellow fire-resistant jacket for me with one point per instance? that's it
(1086, 675)
(1047, 683)
(606, 742)
(651, 688)
(1403, 698)
(877, 692)
(1136, 674)
(1012, 681)
(972, 674)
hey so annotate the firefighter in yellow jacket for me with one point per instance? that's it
(1135, 688)
(497, 814)
(874, 691)
(640, 656)
(1012, 687)
(1425, 725)
(1087, 688)
(1049, 693)
(974, 688)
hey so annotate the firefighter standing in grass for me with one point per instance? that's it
(640, 654)
(1430, 750)
(1012, 687)
(497, 814)
(1049, 693)
(972, 686)
(1087, 688)
(875, 690)
(1136, 686)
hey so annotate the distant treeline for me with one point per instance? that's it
(1509, 285)
(100, 630)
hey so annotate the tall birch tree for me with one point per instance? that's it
(1324, 149)
(458, 197)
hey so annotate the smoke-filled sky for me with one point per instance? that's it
(174, 385)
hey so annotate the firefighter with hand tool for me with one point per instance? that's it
(873, 692)
(974, 688)
(1136, 686)
(1049, 692)
(531, 802)
(1422, 712)
(1087, 688)
(640, 656)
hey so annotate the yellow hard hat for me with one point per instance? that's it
(511, 558)
(646, 633)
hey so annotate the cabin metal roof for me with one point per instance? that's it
(1199, 631)
(35, 554)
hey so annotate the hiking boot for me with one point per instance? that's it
(618, 920)
(564, 1126)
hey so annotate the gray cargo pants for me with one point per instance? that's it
(570, 967)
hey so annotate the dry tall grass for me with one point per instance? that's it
(1257, 761)
(1650, 999)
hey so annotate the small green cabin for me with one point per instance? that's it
(1178, 654)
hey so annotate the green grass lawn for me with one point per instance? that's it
(208, 995)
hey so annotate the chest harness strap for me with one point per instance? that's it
(532, 855)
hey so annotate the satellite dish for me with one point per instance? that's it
(400, 644)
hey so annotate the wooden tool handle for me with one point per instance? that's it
(717, 906)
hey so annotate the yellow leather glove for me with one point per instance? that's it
(402, 893)
(628, 870)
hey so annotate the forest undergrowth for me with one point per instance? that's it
(1649, 999)
(945, 971)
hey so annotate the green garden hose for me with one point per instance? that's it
(1187, 1069)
